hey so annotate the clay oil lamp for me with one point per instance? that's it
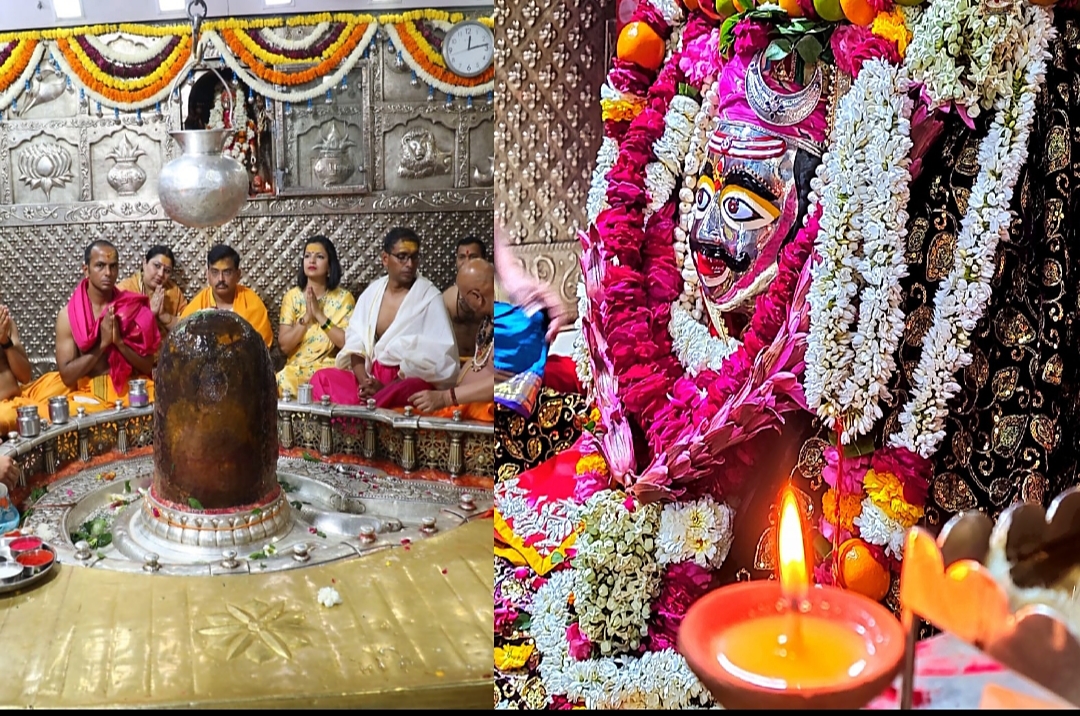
(783, 644)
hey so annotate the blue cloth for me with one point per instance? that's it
(521, 348)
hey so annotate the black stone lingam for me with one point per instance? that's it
(215, 416)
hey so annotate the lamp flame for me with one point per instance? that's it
(794, 577)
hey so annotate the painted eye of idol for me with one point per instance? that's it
(704, 197)
(744, 210)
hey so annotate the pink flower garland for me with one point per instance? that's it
(692, 437)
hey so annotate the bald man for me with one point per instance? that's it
(474, 393)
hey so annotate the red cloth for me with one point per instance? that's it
(343, 387)
(138, 329)
(560, 374)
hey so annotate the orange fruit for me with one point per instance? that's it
(860, 572)
(791, 7)
(640, 44)
(691, 4)
(858, 12)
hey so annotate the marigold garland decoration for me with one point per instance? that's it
(272, 64)
(18, 60)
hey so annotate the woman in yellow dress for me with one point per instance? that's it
(314, 314)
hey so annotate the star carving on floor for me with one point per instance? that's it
(257, 631)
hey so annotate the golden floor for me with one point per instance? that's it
(414, 630)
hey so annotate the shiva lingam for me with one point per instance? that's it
(215, 436)
(782, 645)
(1008, 589)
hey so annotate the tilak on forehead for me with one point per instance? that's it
(409, 245)
(753, 186)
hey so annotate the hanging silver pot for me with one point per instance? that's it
(202, 187)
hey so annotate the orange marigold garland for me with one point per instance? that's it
(22, 58)
(124, 94)
(428, 63)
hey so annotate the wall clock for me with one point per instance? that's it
(468, 48)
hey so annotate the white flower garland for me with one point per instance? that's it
(670, 10)
(959, 52)
(876, 527)
(698, 531)
(617, 572)
(454, 90)
(553, 521)
(863, 186)
(598, 185)
(962, 296)
(670, 150)
(659, 679)
(580, 354)
(281, 42)
(16, 88)
(144, 53)
(327, 82)
(695, 347)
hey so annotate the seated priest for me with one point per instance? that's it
(474, 394)
(104, 338)
(154, 280)
(224, 292)
(399, 340)
(16, 390)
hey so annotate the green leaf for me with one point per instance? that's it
(809, 48)
(557, 558)
(256, 555)
(256, 512)
(859, 448)
(309, 457)
(297, 504)
(195, 504)
(523, 622)
(127, 486)
(778, 50)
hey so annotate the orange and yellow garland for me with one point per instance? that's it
(430, 60)
(239, 43)
(237, 35)
(11, 71)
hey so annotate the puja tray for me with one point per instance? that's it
(29, 577)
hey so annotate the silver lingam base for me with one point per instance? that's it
(331, 512)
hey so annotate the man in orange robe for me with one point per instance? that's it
(224, 292)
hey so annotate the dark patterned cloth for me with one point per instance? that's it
(1010, 433)
(523, 443)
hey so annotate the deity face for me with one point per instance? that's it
(748, 201)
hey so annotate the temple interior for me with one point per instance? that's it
(246, 315)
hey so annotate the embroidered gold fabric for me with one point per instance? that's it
(523, 443)
(1008, 433)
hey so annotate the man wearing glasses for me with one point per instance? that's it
(399, 341)
(155, 282)
(224, 292)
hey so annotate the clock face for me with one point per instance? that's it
(468, 49)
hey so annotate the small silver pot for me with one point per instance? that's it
(29, 421)
(59, 412)
(304, 394)
(137, 395)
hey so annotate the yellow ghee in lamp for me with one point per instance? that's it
(776, 652)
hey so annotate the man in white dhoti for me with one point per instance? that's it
(400, 339)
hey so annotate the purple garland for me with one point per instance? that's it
(121, 70)
(313, 53)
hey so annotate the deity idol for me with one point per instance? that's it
(753, 186)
